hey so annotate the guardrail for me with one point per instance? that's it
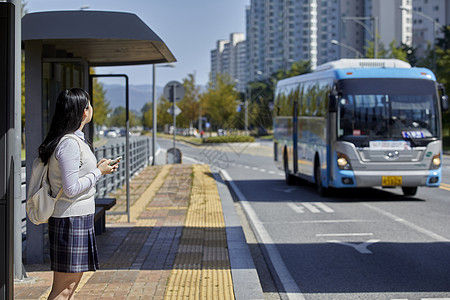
(140, 152)
(140, 157)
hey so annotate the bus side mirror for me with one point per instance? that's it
(444, 97)
(444, 102)
(332, 102)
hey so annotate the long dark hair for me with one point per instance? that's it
(68, 116)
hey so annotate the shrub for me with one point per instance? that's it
(229, 139)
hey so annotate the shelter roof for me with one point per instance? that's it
(103, 38)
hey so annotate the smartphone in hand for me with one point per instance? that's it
(115, 161)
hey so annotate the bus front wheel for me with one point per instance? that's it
(409, 191)
(321, 190)
(290, 179)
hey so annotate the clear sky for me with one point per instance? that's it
(190, 28)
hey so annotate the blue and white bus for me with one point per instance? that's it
(360, 123)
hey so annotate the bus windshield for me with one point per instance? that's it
(394, 109)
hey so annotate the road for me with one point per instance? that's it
(355, 244)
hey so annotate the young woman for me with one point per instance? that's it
(73, 167)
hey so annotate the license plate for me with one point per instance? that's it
(391, 180)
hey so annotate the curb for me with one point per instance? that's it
(244, 275)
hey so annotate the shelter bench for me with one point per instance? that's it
(101, 206)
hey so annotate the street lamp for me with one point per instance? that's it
(435, 24)
(357, 53)
(155, 128)
(373, 33)
(248, 98)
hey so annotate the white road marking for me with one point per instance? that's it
(262, 170)
(324, 207)
(289, 284)
(314, 207)
(296, 208)
(271, 172)
(311, 208)
(361, 248)
(335, 221)
(409, 224)
(193, 160)
(343, 234)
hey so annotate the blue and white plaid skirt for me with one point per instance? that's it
(72, 242)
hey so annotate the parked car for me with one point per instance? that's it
(111, 133)
(221, 132)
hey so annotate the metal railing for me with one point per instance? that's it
(140, 157)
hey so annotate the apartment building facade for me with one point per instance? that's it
(281, 32)
(428, 15)
(229, 57)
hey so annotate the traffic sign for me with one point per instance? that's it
(174, 89)
(177, 111)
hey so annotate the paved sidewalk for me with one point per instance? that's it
(175, 247)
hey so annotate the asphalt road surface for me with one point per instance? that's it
(354, 244)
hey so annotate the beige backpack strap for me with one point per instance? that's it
(78, 140)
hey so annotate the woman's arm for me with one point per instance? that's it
(68, 155)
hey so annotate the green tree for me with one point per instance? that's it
(442, 67)
(163, 117)
(118, 118)
(221, 101)
(189, 105)
(381, 49)
(100, 104)
(147, 115)
(397, 52)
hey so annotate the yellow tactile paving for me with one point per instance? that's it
(179, 196)
(147, 196)
(168, 208)
(202, 267)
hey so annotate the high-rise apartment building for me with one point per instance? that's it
(393, 23)
(230, 58)
(424, 15)
(281, 32)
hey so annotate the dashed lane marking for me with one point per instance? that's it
(343, 234)
(314, 207)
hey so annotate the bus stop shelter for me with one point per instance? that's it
(60, 47)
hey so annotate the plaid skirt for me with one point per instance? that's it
(72, 242)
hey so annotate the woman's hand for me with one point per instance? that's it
(101, 160)
(105, 168)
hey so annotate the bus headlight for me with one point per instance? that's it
(343, 161)
(436, 162)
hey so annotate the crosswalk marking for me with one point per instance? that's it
(313, 207)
